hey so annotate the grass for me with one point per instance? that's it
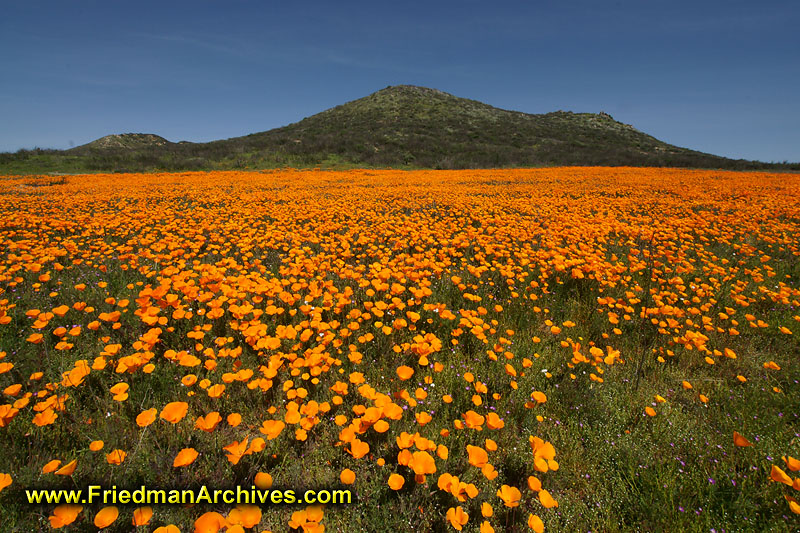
(464, 241)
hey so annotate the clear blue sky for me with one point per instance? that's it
(718, 76)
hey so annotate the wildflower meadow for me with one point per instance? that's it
(555, 349)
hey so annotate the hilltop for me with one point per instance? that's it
(401, 126)
(132, 141)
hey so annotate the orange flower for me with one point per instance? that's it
(543, 455)
(347, 476)
(209, 422)
(738, 440)
(358, 449)
(45, 418)
(146, 418)
(174, 412)
(142, 516)
(5, 481)
(396, 481)
(546, 499)
(489, 471)
(120, 392)
(215, 391)
(50, 466)
(405, 372)
(106, 516)
(67, 469)
(473, 420)
(535, 523)
(780, 476)
(244, 515)
(116, 457)
(185, 457)
(64, 515)
(538, 397)
(477, 456)
(263, 480)
(422, 463)
(457, 517)
(96, 445)
(210, 522)
(509, 495)
(236, 450)
(272, 428)
(493, 421)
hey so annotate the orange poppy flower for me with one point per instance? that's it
(174, 411)
(347, 476)
(358, 448)
(51, 466)
(473, 419)
(216, 390)
(422, 463)
(272, 428)
(67, 469)
(45, 418)
(738, 440)
(169, 528)
(535, 523)
(142, 516)
(493, 421)
(244, 515)
(780, 476)
(236, 450)
(145, 418)
(546, 499)
(210, 522)
(106, 516)
(477, 456)
(489, 471)
(405, 372)
(396, 481)
(185, 457)
(509, 495)
(5, 481)
(64, 515)
(209, 422)
(116, 457)
(457, 517)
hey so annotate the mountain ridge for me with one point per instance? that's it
(400, 126)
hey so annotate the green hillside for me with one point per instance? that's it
(401, 126)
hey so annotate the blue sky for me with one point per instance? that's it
(720, 77)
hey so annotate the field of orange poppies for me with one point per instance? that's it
(566, 349)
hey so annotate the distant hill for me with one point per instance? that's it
(400, 126)
(132, 141)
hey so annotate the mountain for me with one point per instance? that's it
(134, 141)
(400, 126)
